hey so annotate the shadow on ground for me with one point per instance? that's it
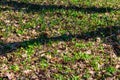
(110, 33)
(30, 7)
(111, 37)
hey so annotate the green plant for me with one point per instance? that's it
(30, 50)
(1, 78)
(44, 64)
(86, 75)
(83, 56)
(58, 77)
(14, 67)
(74, 77)
(20, 31)
(95, 63)
(111, 69)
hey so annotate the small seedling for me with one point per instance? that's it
(14, 67)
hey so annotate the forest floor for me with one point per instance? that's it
(60, 39)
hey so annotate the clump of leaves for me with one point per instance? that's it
(110, 70)
(14, 67)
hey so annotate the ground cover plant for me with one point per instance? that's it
(60, 39)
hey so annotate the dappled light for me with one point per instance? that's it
(59, 39)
